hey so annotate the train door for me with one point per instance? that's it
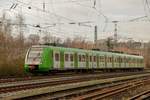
(121, 62)
(82, 60)
(101, 61)
(69, 60)
(116, 65)
(94, 61)
(127, 62)
(124, 62)
(56, 59)
(109, 62)
(138, 62)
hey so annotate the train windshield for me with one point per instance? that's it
(34, 55)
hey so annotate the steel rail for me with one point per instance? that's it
(141, 96)
(109, 91)
(66, 86)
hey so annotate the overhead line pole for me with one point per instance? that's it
(115, 31)
(95, 35)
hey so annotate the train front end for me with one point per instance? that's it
(33, 59)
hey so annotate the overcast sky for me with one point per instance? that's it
(66, 11)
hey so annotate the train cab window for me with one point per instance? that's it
(71, 57)
(57, 57)
(66, 57)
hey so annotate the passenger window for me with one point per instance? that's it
(97, 58)
(120, 60)
(125, 60)
(94, 59)
(110, 59)
(90, 58)
(101, 59)
(87, 58)
(83, 58)
(71, 57)
(107, 59)
(66, 57)
(80, 58)
(56, 57)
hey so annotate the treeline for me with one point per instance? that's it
(12, 47)
(13, 50)
(12, 53)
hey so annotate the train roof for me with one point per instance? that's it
(89, 51)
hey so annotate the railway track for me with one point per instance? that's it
(26, 78)
(142, 96)
(97, 92)
(104, 93)
(41, 82)
(60, 87)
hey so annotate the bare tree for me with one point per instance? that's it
(21, 26)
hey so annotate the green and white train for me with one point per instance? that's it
(43, 58)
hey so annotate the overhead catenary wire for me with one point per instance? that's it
(45, 27)
(51, 15)
(57, 32)
(99, 12)
(79, 3)
(60, 16)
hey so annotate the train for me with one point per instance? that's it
(44, 58)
